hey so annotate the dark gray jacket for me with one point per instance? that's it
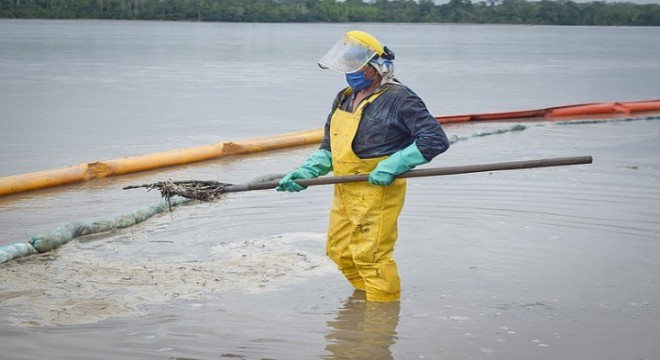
(393, 121)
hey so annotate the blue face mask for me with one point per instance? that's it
(357, 81)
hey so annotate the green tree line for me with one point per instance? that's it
(543, 12)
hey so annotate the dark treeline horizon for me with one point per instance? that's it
(543, 12)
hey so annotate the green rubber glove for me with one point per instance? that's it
(400, 162)
(317, 164)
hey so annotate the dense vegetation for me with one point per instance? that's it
(546, 12)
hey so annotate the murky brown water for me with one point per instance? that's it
(557, 263)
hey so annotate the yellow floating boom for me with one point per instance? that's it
(98, 169)
(85, 171)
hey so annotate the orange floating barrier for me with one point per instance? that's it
(490, 116)
(641, 106)
(579, 110)
(584, 110)
(509, 115)
(82, 172)
(454, 119)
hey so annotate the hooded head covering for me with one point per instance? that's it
(384, 64)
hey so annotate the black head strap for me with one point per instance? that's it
(387, 54)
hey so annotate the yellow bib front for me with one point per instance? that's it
(363, 218)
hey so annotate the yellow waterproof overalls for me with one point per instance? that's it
(363, 218)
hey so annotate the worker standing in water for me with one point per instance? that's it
(378, 126)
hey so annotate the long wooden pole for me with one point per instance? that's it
(452, 170)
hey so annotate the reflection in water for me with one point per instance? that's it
(363, 330)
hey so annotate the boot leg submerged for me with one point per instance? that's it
(338, 246)
(362, 235)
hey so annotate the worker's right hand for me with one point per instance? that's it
(288, 184)
(317, 164)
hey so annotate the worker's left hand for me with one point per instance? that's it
(380, 177)
(400, 162)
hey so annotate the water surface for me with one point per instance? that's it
(544, 264)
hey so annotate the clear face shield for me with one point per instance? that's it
(346, 56)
